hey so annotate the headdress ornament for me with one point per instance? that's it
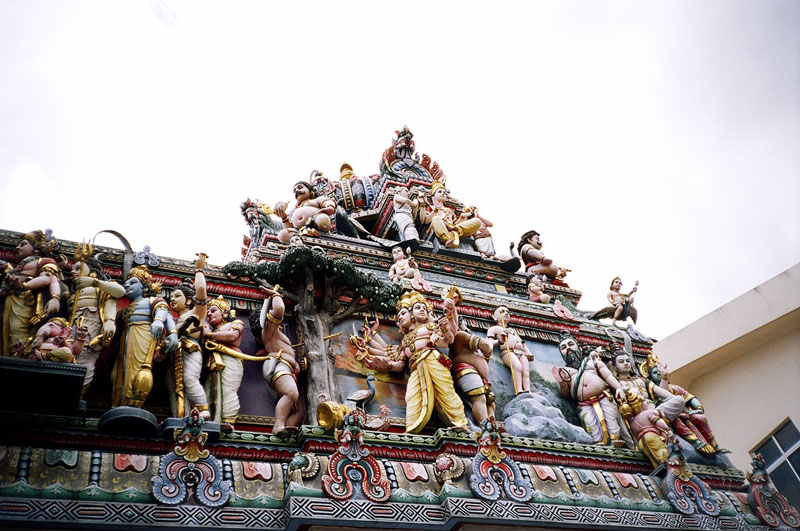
(223, 305)
(143, 274)
(410, 299)
(648, 364)
(42, 241)
(564, 335)
(436, 185)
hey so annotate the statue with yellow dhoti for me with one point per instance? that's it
(446, 224)
(430, 384)
(148, 334)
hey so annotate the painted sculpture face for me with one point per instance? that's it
(53, 329)
(655, 375)
(296, 241)
(623, 364)
(24, 249)
(404, 318)
(420, 312)
(398, 254)
(214, 316)
(501, 315)
(440, 195)
(616, 284)
(570, 352)
(79, 270)
(535, 241)
(177, 301)
(133, 288)
(301, 192)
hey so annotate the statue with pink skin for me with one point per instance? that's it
(311, 215)
(53, 341)
(530, 250)
(513, 350)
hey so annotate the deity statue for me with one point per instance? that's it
(588, 382)
(482, 239)
(94, 303)
(530, 250)
(53, 341)
(514, 352)
(190, 301)
(31, 291)
(691, 424)
(148, 334)
(621, 303)
(280, 369)
(311, 216)
(430, 384)
(404, 210)
(447, 226)
(536, 290)
(405, 267)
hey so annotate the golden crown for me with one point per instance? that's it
(410, 299)
(436, 185)
(223, 305)
(146, 278)
(648, 364)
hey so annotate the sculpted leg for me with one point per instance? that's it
(286, 388)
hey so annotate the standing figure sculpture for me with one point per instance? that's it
(148, 333)
(588, 382)
(530, 250)
(190, 301)
(31, 291)
(447, 226)
(430, 384)
(94, 303)
(405, 267)
(280, 369)
(311, 216)
(404, 212)
(514, 352)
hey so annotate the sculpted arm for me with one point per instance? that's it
(201, 292)
(563, 377)
(607, 376)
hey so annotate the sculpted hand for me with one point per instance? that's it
(620, 394)
(449, 305)
(172, 342)
(280, 209)
(109, 328)
(156, 328)
(200, 263)
(269, 292)
(52, 306)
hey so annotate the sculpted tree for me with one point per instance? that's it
(326, 291)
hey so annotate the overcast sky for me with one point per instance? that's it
(658, 141)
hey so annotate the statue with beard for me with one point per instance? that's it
(588, 383)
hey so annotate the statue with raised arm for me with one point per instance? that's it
(589, 383)
(430, 384)
(405, 268)
(446, 224)
(148, 334)
(94, 304)
(311, 215)
(189, 300)
(31, 291)
(514, 352)
(621, 303)
(691, 424)
(280, 369)
(530, 250)
(404, 212)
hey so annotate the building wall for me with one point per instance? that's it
(742, 361)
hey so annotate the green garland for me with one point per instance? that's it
(296, 260)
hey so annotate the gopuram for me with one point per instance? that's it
(372, 359)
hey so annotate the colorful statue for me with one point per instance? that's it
(148, 334)
(530, 250)
(447, 226)
(53, 341)
(691, 423)
(94, 303)
(536, 290)
(190, 301)
(430, 383)
(482, 239)
(513, 350)
(311, 216)
(405, 210)
(621, 304)
(588, 382)
(31, 291)
(280, 369)
(405, 267)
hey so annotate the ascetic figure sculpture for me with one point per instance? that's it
(148, 334)
(514, 352)
(190, 301)
(589, 383)
(536, 263)
(430, 384)
(31, 291)
(280, 369)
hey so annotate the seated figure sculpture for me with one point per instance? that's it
(311, 216)
(536, 290)
(448, 227)
(621, 303)
(430, 384)
(405, 267)
(53, 341)
(588, 382)
(691, 424)
(513, 350)
(530, 250)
